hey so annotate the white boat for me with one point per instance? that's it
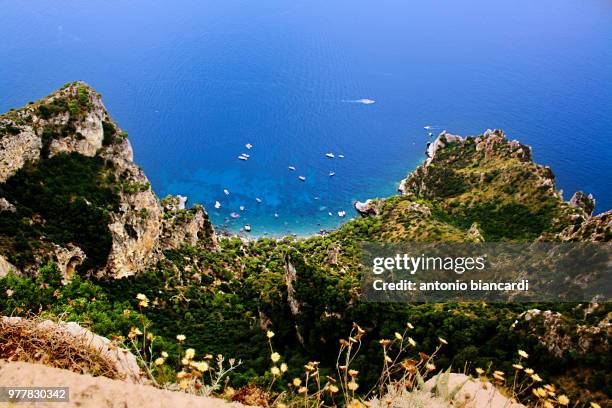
(341, 214)
(258, 199)
(291, 168)
(332, 174)
(330, 155)
(248, 146)
(247, 227)
(330, 214)
(276, 215)
(226, 191)
(302, 178)
(341, 156)
(217, 204)
(243, 157)
(366, 101)
(235, 215)
(428, 127)
(241, 208)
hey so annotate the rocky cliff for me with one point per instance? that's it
(72, 125)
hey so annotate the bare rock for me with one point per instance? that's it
(583, 201)
(16, 150)
(369, 207)
(68, 259)
(6, 206)
(6, 267)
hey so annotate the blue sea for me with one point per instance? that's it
(194, 81)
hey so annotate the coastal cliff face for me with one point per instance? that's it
(71, 128)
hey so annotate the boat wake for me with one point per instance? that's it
(363, 101)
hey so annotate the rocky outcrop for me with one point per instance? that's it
(369, 207)
(16, 150)
(583, 201)
(74, 120)
(560, 335)
(591, 229)
(68, 259)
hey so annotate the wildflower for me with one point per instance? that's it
(442, 341)
(309, 367)
(430, 366)
(297, 382)
(208, 357)
(164, 354)
(479, 371)
(183, 384)
(189, 353)
(411, 341)
(185, 361)
(201, 366)
(343, 343)
(126, 313)
(142, 300)
(498, 375)
(536, 378)
(359, 329)
(410, 326)
(517, 366)
(523, 354)
(332, 389)
(9, 292)
(180, 337)
(181, 374)
(134, 332)
(275, 357)
(353, 386)
(283, 368)
(150, 336)
(595, 405)
(398, 336)
(385, 342)
(388, 359)
(303, 390)
(539, 392)
(529, 371)
(275, 370)
(353, 373)
(563, 400)
(270, 334)
(548, 404)
(159, 361)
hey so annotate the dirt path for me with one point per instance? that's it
(98, 392)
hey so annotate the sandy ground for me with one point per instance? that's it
(99, 392)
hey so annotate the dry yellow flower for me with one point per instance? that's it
(159, 361)
(181, 337)
(411, 341)
(353, 386)
(297, 382)
(333, 389)
(284, 368)
(442, 341)
(303, 390)
(563, 400)
(275, 357)
(398, 336)
(275, 370)
(270, 334)
(523, 354)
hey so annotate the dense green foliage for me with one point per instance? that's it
(65, 199)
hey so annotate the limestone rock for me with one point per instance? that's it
(583, 201)
(6, 267)
(17, 150)
(6, 206)
(68, 259)
(369, 207)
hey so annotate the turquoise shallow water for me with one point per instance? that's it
(194, 81)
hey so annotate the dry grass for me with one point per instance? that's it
(36, 342)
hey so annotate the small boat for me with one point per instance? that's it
(316, 198)
(243, 157)
(291, 168)
(226, 191)
(235, 215)
(330, 214)
(302, 178)
(430, 134)
(241, 208)
(247, 228)
(341, 214)
(341, 156)
(217, 205)
(332, 174)
(330, 155)
(366, 101)
(428, 127)
(276, 215)
(248, 146)
(258, 200)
